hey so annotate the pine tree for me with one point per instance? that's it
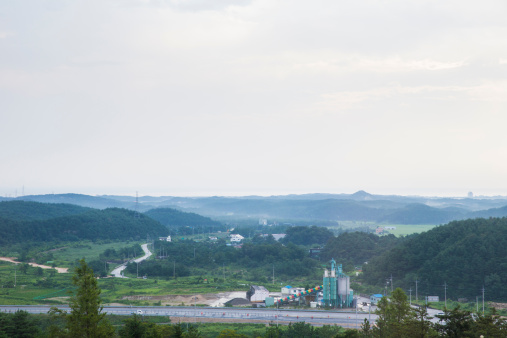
(86, 318)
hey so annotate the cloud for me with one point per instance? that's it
(486, 92)
(195, 5)
(387, 65)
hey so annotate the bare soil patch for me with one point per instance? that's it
(11, 259)
(210, 299)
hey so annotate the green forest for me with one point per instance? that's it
(93, 224)
(253, 261)
(464, 255)
(184, 223)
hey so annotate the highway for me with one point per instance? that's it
(315, 317)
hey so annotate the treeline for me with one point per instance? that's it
(258, 259)
(396, 318)
(33, 211)
(121, 253)
(465, 256)
(93, 224)
(184, 223)
(22, 324)
(302, 235)
(356, 248)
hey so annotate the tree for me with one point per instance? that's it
(134, 327)
(18, 325)
(454, 323)
(86, 318)
(229, 333)
(397, 319)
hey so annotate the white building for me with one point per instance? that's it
(257, 293)
(236, 238)
(289, 290)
(166, 239)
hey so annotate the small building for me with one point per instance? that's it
(290, 291)
(390, 228)
(236, 238)
(278, 236)
(213, 238)
(375, 298)
(315, 252)
(257, 293)
(379, 230)
(432, 299)
(165, 239)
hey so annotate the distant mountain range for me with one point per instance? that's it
(360, 206)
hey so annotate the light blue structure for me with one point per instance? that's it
(336, 287)
(375, 298)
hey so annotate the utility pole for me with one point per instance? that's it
(410, 296)
(137, 269)
(391, 283)
(483, 299)
(416, 289)
(174, 269)
(445, 294)
(356, 311)
(273, 274)
(477, 303)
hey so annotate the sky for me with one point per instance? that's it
(240, 97)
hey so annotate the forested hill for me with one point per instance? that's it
(360, 206)
(31, 211)
(94, 224)
(466, 255)
(175, 218)
(79, 199)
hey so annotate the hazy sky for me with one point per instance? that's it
(220, 97)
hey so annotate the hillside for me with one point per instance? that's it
(422, 214)
(94, 224)
(466, 255)
(360, 206)
(31, 211)
(174, 218)
(79, 199)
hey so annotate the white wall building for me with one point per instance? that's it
(257, 293)
(236, 238)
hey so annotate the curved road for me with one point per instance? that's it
(118, 271)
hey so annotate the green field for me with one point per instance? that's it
(67, 254)
(401, 229)
(408, 229)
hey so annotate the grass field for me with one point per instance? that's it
(67, 254)
(408, 229)
(401, 229)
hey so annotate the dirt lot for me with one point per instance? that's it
(498, 306)
(209, 299)
(11, 259)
